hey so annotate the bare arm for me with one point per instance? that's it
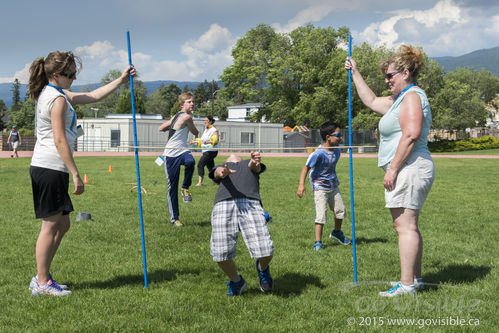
(301, 186)
(57, 117)
(254, 163)
(102, 92)
(411, 123)
(222, 172)
(166, 125)
(190, 124)
(379, 105)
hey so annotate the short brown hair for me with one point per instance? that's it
(184, 97)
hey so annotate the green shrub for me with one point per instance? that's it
(485, 142)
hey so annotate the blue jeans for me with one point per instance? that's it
(172, 171)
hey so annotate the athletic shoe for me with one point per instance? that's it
(398, 290)
(418, 283)
(264, 278)
(317, 246)
(186, 194)
(338, 236)
(34, 281)
(49, 289)
(177, 224)
(236, 288)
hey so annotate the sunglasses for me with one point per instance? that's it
(71, 76)
(338, 135)
(388, 76)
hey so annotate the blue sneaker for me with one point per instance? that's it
(338, 236)
(236, 288)
(398, 290)
(317, 246)
(418, 283)
(264, 278)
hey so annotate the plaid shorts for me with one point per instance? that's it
(230, 216)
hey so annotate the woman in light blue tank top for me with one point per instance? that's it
(403, 154)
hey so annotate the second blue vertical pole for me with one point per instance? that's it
(352, 206)
(139, 188)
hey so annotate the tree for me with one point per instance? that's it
(457, 106)
(24, 117)
(124, 104)
(3, 112)
(245, 80)
(16, 95)
(163, 99)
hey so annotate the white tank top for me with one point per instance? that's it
(45, 154)
(177, 140)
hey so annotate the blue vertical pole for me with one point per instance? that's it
(352, 206)
(139, 188)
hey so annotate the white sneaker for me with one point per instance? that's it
(398, 290)
(50, 288)
(418, 284)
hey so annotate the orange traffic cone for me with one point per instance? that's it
(110, 168)
(85, 179)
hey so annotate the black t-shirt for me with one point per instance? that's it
(244, 183)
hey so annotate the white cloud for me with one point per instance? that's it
(311, 14)
(22, 75)
(445, 29)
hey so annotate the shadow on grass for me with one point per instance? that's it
(363, 240)
(456, 274)
(157, 276)
(292, 284)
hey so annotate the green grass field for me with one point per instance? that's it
(101, 260)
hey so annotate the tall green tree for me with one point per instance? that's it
(24, 118)
(163, 99)
(3, 113)
(245, 80)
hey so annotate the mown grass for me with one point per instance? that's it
(101, 260)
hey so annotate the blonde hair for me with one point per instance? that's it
(42, 69)
(183, 97)
(409, 57)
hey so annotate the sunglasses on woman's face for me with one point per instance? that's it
(71, 76)
(338, 135)
(388, 76)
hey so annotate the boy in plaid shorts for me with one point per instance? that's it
(322, 164)
(238, 207)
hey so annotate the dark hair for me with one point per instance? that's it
(42, 69)
(211, 119)
(409, 57)
(328, 128)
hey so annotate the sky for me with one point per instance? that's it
(191, 40)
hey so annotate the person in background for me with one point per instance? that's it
(403, 155)
(325, 184)
(209, 143)
(177, 154)
(15, 140)
(49, 84)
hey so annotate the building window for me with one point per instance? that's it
(247, 138)
(115, 138)
(248, 112)
(222, 136)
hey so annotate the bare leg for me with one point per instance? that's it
(50, 237)
(264, 262)
(410, 243)
(229, 268)
(337, 224)
(200, 181)
(318, 232)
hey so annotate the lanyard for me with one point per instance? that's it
(59, 89)
(73, 121)
(403, 91)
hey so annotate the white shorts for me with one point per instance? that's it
(14, 144)
(335, 201)
(413, 182)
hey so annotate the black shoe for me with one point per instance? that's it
(264, 278)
